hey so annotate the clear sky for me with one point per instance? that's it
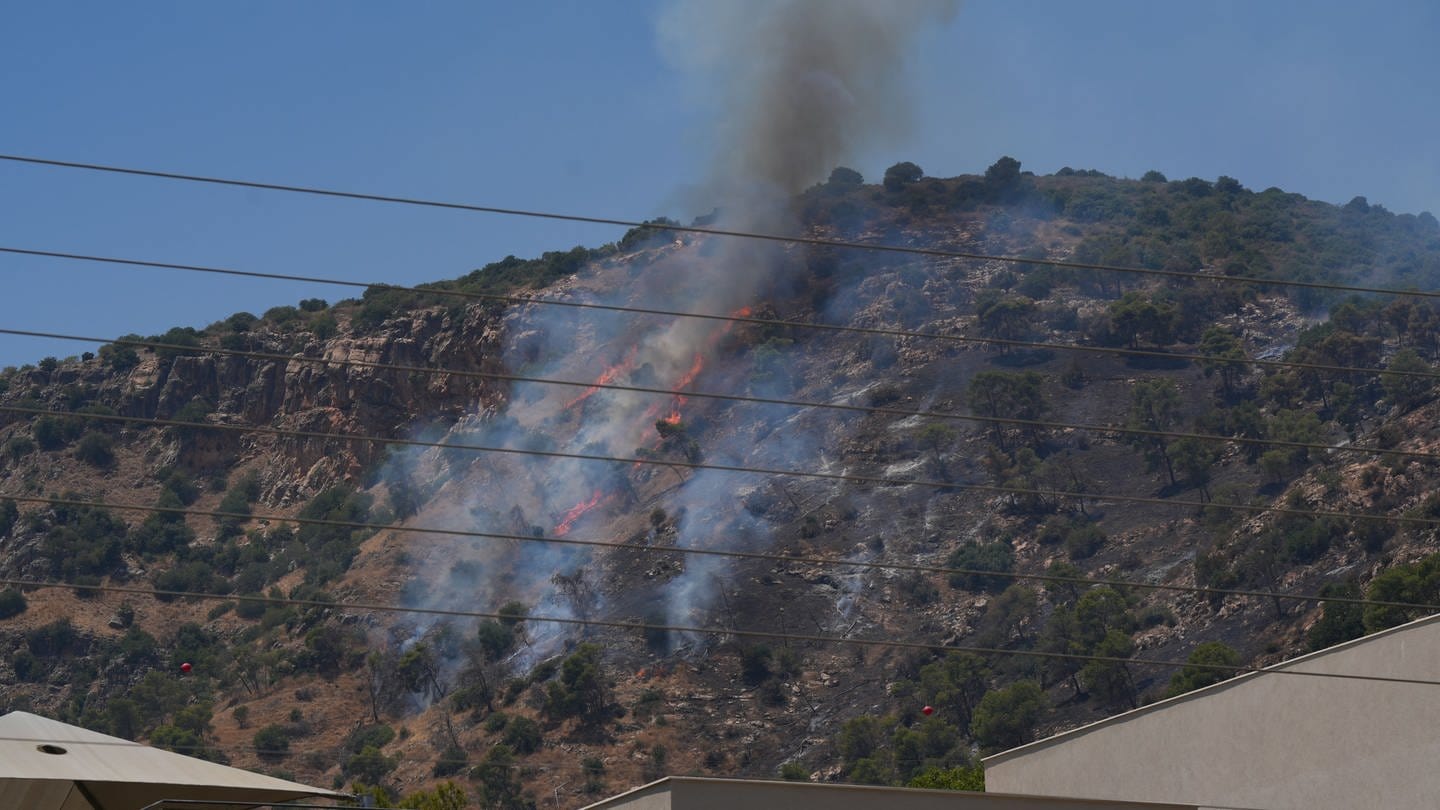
(572, 106)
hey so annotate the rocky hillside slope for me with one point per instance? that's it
(469, 468)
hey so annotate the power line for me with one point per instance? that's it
(825, 327)
(626, 624)
(769, 237)
(991, 489)
(742, 398)
(1056, 579)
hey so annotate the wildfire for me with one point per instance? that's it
(577, 511)
(606, 377)
(680, 399)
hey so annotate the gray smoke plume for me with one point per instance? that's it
(802, 83)
(806, 82)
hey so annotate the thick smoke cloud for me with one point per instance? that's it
(802, 84)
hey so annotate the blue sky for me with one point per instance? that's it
(571, 106)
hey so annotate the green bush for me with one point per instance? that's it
(81, 540)
(272, 743)
(18, 447)
(1206, 665)
(369, 765)
(9, 514)
(1006, 717)
(96, 449)
(993, 556)
(56, 638)
(12, 603)
(453, 760)
(523, 735)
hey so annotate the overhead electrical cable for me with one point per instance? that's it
(742, 398)
(695, 229)
(628, 624)
(734, 468)
(788, 559)
(746, 319)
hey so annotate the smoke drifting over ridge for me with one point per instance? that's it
(802, 83)
(806, 83)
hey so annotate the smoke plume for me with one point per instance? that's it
(802, 84)
(805, 83)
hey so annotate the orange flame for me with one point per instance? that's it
(577, 511)
(606, 377)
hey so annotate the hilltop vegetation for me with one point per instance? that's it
(1108, 474)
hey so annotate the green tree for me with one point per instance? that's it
(523, 735)
(1403, 390)
(1003, 174)
(1110, 680)
(977, 557)
(954, 685)
(368, 766)
(1001, 394)
(1225, 356)
(1006, 717)
(1416, 583)
(500, 785)
(1205, 665)
(843, 178)
(1006, 317)
(900, 175)
(1154, 407)
(1193, 459)
(12, 603)
(1339, 621)
(970, 778)
(1136, 315)
(581, 690)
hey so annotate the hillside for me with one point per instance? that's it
(334, 691)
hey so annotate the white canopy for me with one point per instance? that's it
(49, 765)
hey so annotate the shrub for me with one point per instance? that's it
(375, 736)
(368, 766)
(9, 513)
(18, 447)
(96, 449)
(55, 638)
(12, 603)
(272, 743)
(994, 556)
(1083, 541)
(1206, 665)
(452, 761)
(28, 668)
(50, 433)
(794, 772)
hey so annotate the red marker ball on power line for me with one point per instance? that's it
(185, 667)
(927, 711)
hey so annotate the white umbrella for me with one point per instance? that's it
(49, 765)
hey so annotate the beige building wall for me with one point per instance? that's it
(1266, 740)
(689, 793)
